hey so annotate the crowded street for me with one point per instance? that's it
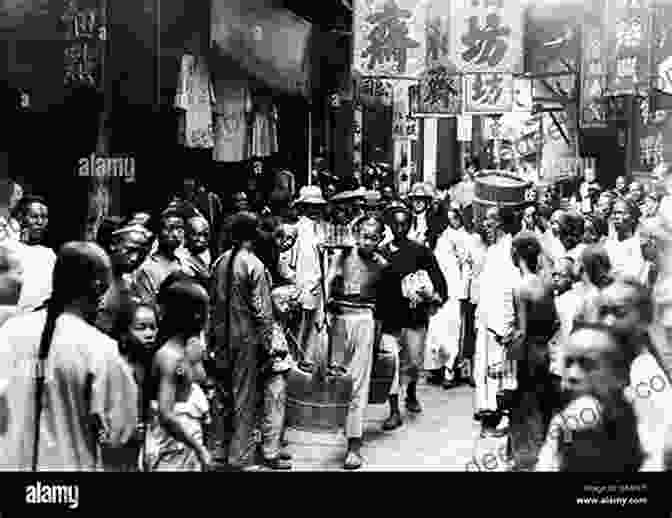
(387, 235)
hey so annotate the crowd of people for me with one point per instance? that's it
(167, 345)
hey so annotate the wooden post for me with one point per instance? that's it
(100, 192)
(310, 144)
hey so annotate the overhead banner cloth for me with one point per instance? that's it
(389, 37)
(487, 36)
(270, 44)
(594, 80)
(629, 43)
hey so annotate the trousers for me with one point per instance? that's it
(273, 415)
(408, 348)
(493, 372)
(353, 333)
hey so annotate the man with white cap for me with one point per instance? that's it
(311, 206)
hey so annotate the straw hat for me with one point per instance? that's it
(372, 199)
(348, 196)
(310, 195)
(422, 190)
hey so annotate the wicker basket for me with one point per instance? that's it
(500, 187)
(316, 402)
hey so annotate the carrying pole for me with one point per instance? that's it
(310, 144)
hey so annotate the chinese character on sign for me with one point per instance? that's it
(630, 34)
(487, 44)
(626, 67)
(389, 41)
(487, 89)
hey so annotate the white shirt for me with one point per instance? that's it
(625, 256)
(308, 268)
(38, 267)
(651, 397)
(86, 377)
(498, 282)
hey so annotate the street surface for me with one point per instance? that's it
(443, 438)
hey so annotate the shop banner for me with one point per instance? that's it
(488, 93)
(595, 72)
(629, 41)
(437, 34)
(270, 44)
(488, 35)
(404, 125)
(389, 37)
(438, 94)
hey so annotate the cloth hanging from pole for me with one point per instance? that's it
(264, 130)
(195, 97)
(231, 127)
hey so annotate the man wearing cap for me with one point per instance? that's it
(426, 227)
(311, 206)
(127, 249)
(351, 203)
(404, 314)
(165, 260)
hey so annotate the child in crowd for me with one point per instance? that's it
(136, 329)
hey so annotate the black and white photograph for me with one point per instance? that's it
(336, 236)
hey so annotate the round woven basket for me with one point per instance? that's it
(498, 189)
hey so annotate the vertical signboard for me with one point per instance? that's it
(488, 93)
(437, 94)
(628, 43)
(487, 35)
(389, 38)
(594, 80)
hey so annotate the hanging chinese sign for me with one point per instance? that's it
(438, 94)
(487, 35)
(389, 38)
(629, 44)
(404, 126)
(372, 90)
(488, 93)
(595, 73)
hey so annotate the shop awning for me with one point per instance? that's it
(270, 43)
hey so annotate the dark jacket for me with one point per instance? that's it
(392, 308)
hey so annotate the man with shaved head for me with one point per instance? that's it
(89, 388)
(198, 256)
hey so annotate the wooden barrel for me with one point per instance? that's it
(382, 375)
(316, 402)
(498, 189)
